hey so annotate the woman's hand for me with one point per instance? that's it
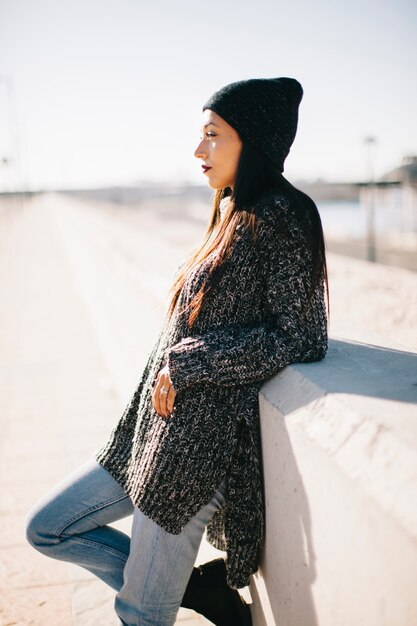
(163, 394)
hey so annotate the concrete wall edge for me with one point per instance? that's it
(373, 455)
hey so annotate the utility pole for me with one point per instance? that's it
(370, 143)
(13, 129)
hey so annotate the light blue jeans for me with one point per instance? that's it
(149, 570)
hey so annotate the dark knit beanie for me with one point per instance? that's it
(264, 111)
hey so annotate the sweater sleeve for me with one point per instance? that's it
(239, 355)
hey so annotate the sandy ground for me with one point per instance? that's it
(84, 291)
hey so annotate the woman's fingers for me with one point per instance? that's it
(156, 395)
(170, 399)
(166, 401)
(155, 399)
(162, 400)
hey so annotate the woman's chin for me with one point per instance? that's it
(213, 184)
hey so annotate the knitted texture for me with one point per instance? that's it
(264, 112)
(250, 326)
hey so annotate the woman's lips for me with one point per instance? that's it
(206, 168)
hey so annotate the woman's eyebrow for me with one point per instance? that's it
(210, 124)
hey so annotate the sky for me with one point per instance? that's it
(105, 92)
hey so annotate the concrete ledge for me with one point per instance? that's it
(340, 459)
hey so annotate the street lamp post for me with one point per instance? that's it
(370, 143)
(13, 128)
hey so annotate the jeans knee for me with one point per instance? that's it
(32, 529)
(37, 532)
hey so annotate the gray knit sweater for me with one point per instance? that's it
(249, 328)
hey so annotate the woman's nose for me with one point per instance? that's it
(200, 152)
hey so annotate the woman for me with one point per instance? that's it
(186, 454)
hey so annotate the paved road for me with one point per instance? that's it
(59, 392)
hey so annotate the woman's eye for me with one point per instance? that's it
(208, 135)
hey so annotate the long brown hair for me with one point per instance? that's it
(255, 176)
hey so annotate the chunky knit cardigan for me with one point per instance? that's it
(250, 326)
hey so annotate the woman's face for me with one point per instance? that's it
(219, 150)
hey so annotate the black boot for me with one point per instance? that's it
(209, 594)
